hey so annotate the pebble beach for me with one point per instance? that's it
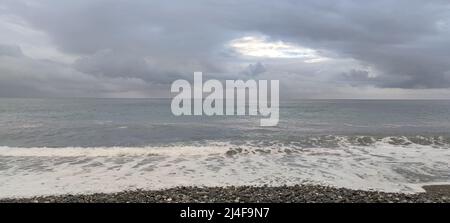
(250, 194)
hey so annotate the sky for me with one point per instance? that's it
(386, 49)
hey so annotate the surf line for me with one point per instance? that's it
(240, 98)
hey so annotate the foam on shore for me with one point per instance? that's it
(26, 172)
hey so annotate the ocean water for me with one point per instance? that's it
(59, 146)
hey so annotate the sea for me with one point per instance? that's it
(79, 146)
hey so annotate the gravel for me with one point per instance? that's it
(249, 194)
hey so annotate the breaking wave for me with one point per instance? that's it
(394, 164)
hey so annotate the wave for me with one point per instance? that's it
(393, 164)
(250, 146)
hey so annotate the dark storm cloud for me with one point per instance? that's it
(113, 64)
(22, 76)
(392, 44)
(408, 41)
(253, 70)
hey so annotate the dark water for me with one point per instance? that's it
(135, 122)
(59, 146)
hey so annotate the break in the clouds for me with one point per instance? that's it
(317, 49)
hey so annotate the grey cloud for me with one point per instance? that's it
(253, 70)
(406, 41)
(399, 38)
(357, 77)
(22, 76)
(112, 63)
(8, 50)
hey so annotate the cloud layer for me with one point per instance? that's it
(317, 49)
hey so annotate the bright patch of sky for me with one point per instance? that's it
(261, 46)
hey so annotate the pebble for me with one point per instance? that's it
(243, 194)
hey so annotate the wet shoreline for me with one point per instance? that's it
(250, 194)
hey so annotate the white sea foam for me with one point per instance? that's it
(26, 172)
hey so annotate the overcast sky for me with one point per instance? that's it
(317, 49)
